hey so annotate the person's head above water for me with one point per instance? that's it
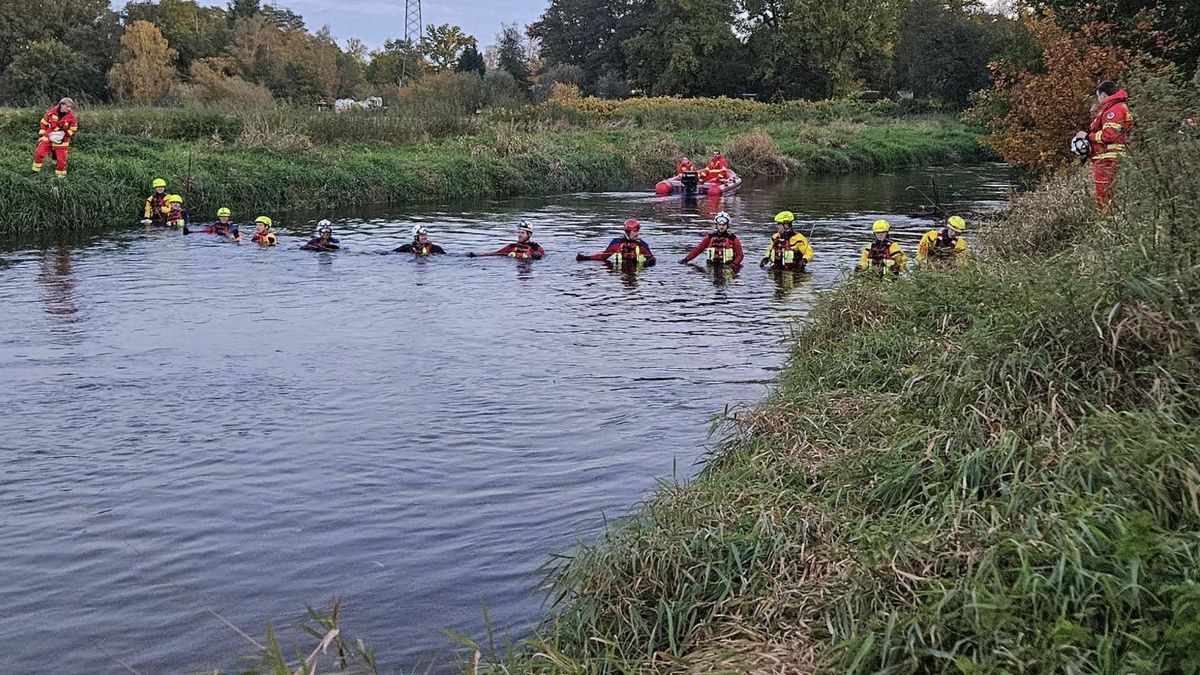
(159, 185)
(721, 222)
(524, 231)
(881, 229)
(632, 228)
(784, 221)
(176, 202)
(324, 230)
(223, 215)
(262, 224)
(420, 234)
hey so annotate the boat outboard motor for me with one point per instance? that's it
(690, 180)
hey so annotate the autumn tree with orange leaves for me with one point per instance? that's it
(1032, 113)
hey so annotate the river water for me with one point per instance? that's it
(196, 432)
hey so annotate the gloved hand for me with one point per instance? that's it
(144, 221)
(471, 254)
(579, 257)
(889, 263)
(683, 261)
(764, 262)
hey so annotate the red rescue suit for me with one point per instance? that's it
(55, 120)
(1107, 133)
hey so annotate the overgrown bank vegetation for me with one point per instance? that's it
(277, 159)
(995, 469)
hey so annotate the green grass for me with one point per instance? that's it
(994, 469)
(275, 161)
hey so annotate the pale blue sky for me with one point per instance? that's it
(374, 21)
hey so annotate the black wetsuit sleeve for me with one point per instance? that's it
(434, 248)
(403, 248)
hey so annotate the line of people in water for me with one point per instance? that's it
(788, 249)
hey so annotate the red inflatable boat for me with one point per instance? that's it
(688, 183)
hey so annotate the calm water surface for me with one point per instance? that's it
(194, 428)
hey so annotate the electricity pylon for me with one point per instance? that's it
(412, 37)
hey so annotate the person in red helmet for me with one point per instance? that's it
(55, 133)
(721, 246)
(629, 249)
(1107, 134)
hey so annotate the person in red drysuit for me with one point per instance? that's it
(1108, 133)
(55, 133)
(721, 246)
(629, 249)
(523, 249)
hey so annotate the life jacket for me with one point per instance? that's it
(685, 167)
(175, 218)
(158, 207)
(523, 250)
(630, 253)
(716, 172)
(422, 249)
(265, 239)
(880, 251)
(945, 246)
(720, 247)
(782, 252)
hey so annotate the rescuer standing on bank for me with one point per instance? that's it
(1107, 135)
(57, 129)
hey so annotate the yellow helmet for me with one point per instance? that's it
(956, 223)
(881, 226)
(224, 212)
(264, 220)
(785, 217)
(158, 182)
(174, 199)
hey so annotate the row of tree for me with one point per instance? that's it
(788, 49)
(153, 52)
(945, 50)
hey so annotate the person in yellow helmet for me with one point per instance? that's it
(263, 236)
(222, 227)
(176, 218)
(157, 208)
(883, 255)
(945, 247)
(788, 250)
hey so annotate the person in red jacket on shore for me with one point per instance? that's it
(629, 249)
(1107, 134)
(58, 128)
(721, 246)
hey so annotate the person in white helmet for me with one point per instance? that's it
(421, 245)
(721, 246)
(523, 249)
(324, 240)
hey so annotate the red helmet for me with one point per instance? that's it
(632, 224)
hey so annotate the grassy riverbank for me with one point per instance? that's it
(275, 160)
(992, 469)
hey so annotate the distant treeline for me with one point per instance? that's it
(179, 51)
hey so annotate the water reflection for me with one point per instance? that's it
(58, 286)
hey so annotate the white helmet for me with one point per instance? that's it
(1081, 147)
(324, 226)
(524, 225)
(419, 230)
(722, 218)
